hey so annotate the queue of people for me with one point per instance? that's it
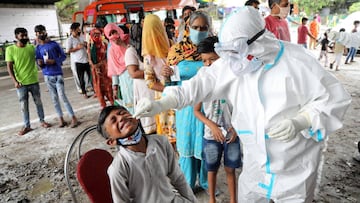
(158, 99)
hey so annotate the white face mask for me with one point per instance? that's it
(88, 29)
(236, 56)
(284, 11)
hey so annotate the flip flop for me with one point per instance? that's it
(24, 130)
(74, 124)
(45, 125)
(63, 124)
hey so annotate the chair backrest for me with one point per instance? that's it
(92, 175)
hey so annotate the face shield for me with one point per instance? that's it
(239, 31)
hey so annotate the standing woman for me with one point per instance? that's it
(189, 129)
(116, 65)
(155, 46)
(98, 63)
(135, 66)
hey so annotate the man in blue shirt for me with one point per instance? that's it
(49, 56)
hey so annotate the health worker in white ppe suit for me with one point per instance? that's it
(284, 107)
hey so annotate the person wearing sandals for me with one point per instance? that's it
(20, 59)
(49, 57)
(97, 58)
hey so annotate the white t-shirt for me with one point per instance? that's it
(79, 56)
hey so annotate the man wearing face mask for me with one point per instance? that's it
(276, 21)
(283, 107)
(21, 66)
(76, 46)
(49, 56)
(186, 12)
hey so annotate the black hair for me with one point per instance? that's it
(83, 25)
(19, 30)
(250, 2)
(168, 32)
(342, 30)
(74, 26)
(304, 19)
(39, 28)
(356, 22)
(135, 38)
(168, 21)
(207, 45)
(187, 8)
(124, 28)
(103, 115)
(271, 2)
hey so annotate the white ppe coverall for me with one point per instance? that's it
(290, 81)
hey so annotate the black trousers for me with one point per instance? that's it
(81, 68)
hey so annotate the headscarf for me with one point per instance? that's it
(116, 55)
(112, 26)
(154, 38)
(97, 47)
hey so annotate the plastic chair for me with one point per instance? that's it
(88, 140)
(92, 175)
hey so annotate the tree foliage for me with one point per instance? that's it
(314, 6)
(66, 8)
(355, 7)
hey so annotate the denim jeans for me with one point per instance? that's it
(23, 94)
(56, 88)
(351, 54)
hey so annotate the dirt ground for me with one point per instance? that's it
(31, 166)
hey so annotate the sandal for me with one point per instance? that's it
(63, 124)
(24, 130)
(45, 125)
(74, 124)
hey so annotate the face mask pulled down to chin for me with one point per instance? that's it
(130, 140)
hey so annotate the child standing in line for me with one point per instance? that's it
(324, 46)
(219, 136)
(339, 51)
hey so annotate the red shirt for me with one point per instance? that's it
(302, 34)
(279, 27)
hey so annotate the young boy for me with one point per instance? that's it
(219, 136)
(338, 51)
(144, 169)
(324, 46)
(303, 32)
(49, 56)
